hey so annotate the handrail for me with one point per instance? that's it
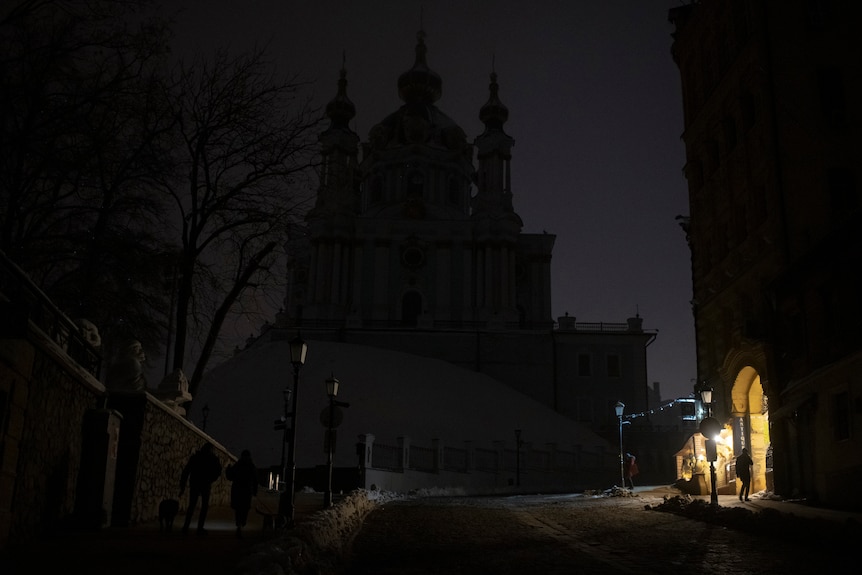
(28, 302)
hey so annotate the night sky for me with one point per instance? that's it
(595, 109)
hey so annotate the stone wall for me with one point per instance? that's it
(156, 443)
(48, 482)
(45, 406)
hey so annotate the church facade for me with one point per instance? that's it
(398, 238)
(413, 244)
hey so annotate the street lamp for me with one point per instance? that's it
(710, 428)
(332, 392)
(282, 424)
(298, 350)
(618, 409)
(206, 413)
(517, 457)
(706, 397)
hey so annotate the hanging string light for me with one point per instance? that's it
(651, 411)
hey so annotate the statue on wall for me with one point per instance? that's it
(173, 391)
(89, 332)
(127, 373)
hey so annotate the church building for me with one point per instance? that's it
(413, 249)
(397, 237)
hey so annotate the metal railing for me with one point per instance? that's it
(25, 301)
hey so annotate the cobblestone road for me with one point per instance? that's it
(570, 534)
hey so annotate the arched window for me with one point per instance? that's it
(411, 308)
(415, 186)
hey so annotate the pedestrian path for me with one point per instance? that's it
(143, 550)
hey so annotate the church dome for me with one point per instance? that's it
(340, 109)
(494, 113)
(418, 120)
(420, 84)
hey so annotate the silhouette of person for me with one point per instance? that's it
(243, 478)
(630, 470)
(201, 470)
(743, 471)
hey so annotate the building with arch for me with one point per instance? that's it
(771, 94)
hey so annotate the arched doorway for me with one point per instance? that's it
(750, 421)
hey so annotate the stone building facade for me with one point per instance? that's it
(771, 93)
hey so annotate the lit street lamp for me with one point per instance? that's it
(618, 409)
(710, 428)
(333, 421)
(298, 350)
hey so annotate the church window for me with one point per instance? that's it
(415, 186)
(613, 365)
(584, 365)
(454, 191)
(376, 189)
(413, 257)
(411, 308)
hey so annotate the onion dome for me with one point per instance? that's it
(420, 84)
(494, 114)
(340, 109)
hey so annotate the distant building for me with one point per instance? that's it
(771, 94)
(412, 247)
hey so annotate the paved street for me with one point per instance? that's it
(571, 534)
(543, 534)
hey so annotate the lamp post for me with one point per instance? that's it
(710, 427)
(333, 421)
(298, 350)
(517, 457)
(286, 392)
(206, 413)
(619, 408)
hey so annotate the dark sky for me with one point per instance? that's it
(594, 107)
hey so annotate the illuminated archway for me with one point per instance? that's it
(750, 422)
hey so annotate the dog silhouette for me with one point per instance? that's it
(168, 510)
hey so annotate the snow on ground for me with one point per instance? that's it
(391, 394)
(322, 541)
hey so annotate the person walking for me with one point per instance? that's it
(631, 469)
(743, 472)
(199, 473)
(243, 478)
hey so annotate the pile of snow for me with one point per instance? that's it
(321, 543)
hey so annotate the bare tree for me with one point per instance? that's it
(245, 141)
(81, 129)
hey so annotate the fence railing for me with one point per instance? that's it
(455, 325)
(25, 301)
(501, 458)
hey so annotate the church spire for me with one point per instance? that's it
(494, 152)
(420, 84)
(340, 109)
(494, 113)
